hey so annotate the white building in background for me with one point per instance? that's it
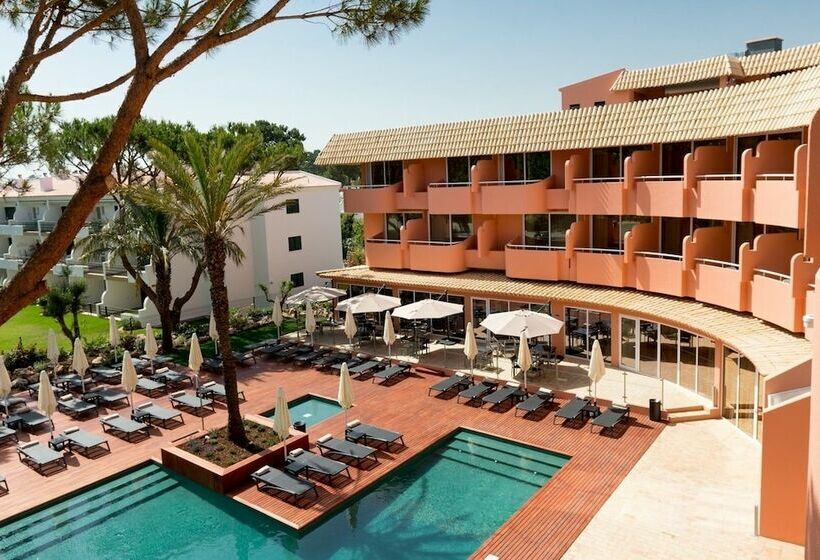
(287, 244)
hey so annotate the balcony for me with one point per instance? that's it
(450, 198)
(370, 199)
(600, 196)
(777, 200)
(773, 300)
(660, 273)
(383, 253)
(602, 267)
(522, 197)
(439, 256)
(660, 195)
(721, 197)
(411, 201)
(719, 283)
(532, 262)
(11, 230)
(10, 263)
(27, 226)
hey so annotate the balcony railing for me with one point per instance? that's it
(773, 275)
(720, 177)
(659, 178)
(358, 187)
(600, 251)
(516, 183)
(47, 227)
(427, 242)
(775, 177)
(654, 255)
(27, 225)
(719, 264)
(383, 240)
(534, 247)
(599, 180)
(448, 185)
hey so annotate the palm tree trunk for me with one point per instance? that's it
(215, 257)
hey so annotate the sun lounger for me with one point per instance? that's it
(215, 391)
(365, 367)
(10, 403)
(4, 486)
(159, 359)
(244, 358)
(124, 428)
(75, 408)
(610, 418)
(535, 402)
(40, 457)
(355, 431)
(391, 372)
(290, 353)
(255, 346)
(7, 434)
(272, 480)
(85, 442)
(172, 378)
(328, 360)
(106, 397)
(572, 410)
(511, 391)
(31, 420)
(310, 356)
(476, 391)
(191, 403)
(457, 381)
(212, 364)
(300, 460)
(357, 360)
(271, 350)
(149, 386)
(151, 414)
(105, 374)
(329, 445)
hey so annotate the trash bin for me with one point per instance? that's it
(655, 410)
(299, 426)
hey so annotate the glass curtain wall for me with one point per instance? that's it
(741, 393)
(583, 327)
(450, 228)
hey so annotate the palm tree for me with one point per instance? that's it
(142, 234)
(213, 191)
(64, 298)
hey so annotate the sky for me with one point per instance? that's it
(470, 59)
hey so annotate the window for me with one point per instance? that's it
(394, 222)
(458, 168)
(526, 167)
(546, 230)
(292, 206)
(461, 227)
(297, 279)
(9, 210)
(450, 229)
(600, 103)
(574, 106)
(295, 243)
(385, 172)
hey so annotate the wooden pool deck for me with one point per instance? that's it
(543, 528)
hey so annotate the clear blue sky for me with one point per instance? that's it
(470, 59)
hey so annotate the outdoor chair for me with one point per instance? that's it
(573, 410)
(476, 391)
(124, 428)
(300, 460)
(329, 445)
(151, 414)
(215, 391)
(356, 432)
(40, 457)
(510, 392)
(107, 397)
(610, 418)
(457, 381)
(542, 398)
(274, 481)
(391, 373)
(8, 434)
(76, 408)
(149, 386)
(191, 403)
(85, 442)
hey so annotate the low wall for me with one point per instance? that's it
(225, 479)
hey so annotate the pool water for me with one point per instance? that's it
(444, 504)
(311, 409)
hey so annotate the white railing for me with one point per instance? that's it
(600, 180)
(423, 242)
(775, 177)
(450, 185)
(773, 275)
(357, 187)
(382, 240)
(516, 183)
(654, 255)
(721, 264)
(534, 247)
(659, 178)
(600, 251)
(720, 176)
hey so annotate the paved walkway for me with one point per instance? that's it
(692, 495)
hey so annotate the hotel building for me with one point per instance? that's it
(280, 245)
(669, 213)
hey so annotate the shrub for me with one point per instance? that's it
(130, 324)
(240, 319)
(23, 357)
(131, 342)
(99, 347)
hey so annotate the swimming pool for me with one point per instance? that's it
(311, 409)
(442, 505)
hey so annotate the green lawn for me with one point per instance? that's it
(30, 325)
(239, 340)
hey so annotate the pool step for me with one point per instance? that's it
(502, 458)
(701, 413)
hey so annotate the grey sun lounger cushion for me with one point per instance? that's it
(215, 391)
(330, 359)
(477, 391)
(536, 401)
(392, 372)
(572, 409)
(356, 431)
(212, 364)
(32, 419)
(300, 460)
(7, 434)
(310, 356)
(270, 478)
(184, 400)
(455, 381)
(171, 377)
(124, 427)
(75, 407)
(84, 441)
(344, 448)
(611, 417)
(105, 373)
(150, 386)
(366, 367)
(509, 391)
(106, 396)
(39, 456)
(244, 357)
(156, 413)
